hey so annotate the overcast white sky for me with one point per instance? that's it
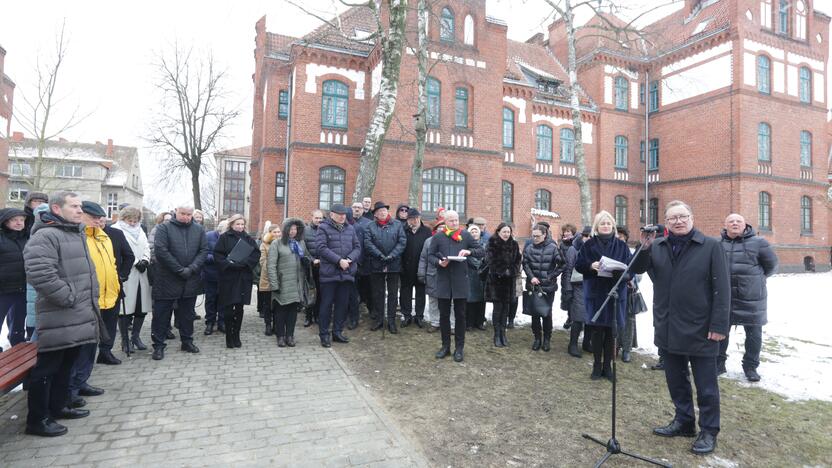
(108, 70)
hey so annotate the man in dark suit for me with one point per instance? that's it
(691, 307)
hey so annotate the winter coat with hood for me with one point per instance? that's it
(310, 233)
(597, 287)
(234, 280)
(30, 214)
(263, 281)
(334, 242)
(544, 262)
(288, 264)
(58, 266)
(750, 261)
(137, 281)
(209, 268)
(13, 273)
(414, 242)
(451, 281)
(691, 294)
(504, 264)
(384, 245)
(180, 251)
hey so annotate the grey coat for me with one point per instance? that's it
(426, 273)
(691, 294)
(58, 266)
(286, 270)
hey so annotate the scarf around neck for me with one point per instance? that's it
(295, 247)
(133, 231)
(454, 234)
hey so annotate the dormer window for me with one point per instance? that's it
(547, 86)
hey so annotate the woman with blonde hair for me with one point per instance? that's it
(136, 289)
(602, 243)
(264, 291)
(235, 277)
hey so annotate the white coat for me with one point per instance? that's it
(137, 280)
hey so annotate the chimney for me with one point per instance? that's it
(109, 147)
(17, 136)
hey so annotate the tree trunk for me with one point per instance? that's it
(195, 189)
(421, 109)
(391, 44)
(575, 104)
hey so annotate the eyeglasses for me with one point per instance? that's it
(403, 209)
(676, 219)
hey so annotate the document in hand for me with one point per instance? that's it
(240, 252)
(609, 265)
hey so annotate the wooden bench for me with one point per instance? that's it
(15, 364)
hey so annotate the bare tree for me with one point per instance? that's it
(421, 107)
(627, 33)
(390, 39)
(193, 115)
(37, 115)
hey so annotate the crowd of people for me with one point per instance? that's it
(72, 283)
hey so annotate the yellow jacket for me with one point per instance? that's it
(101, 254)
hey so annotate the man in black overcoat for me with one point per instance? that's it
(691, 308)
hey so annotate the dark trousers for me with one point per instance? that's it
(82, 368)
(753, 344)
(316, 308)
(49, 383)
(13, 311)
(445, 321)
(474, 314)
(365, 291)
(211, 296)
(334, 301)
(382, 282)
(233, 316)
(707, 388)
(602, 343)
(285, 318)
(353, 313)
(110, 318)
(265, 306)
(183, 308)
(546, 322)
(406, 299)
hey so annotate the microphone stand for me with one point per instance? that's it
(612, 445)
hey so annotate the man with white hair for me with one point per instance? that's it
(180, 249)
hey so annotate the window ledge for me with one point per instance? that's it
(329, 127)
(463, 129)
(571, 163)
(766, 231)
(806, 234)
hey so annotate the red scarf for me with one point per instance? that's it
(455, 235)
(384, 221)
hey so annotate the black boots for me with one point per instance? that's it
(105, 356)
(751, 374)
(498, 319)
(536, 342)
(458, 354)
(574, 334)
(124, 330)
(209, 328)
(498, 342)
(596, 371)
(267, 317)
(444, 351)
(547, 339)
(138, 320)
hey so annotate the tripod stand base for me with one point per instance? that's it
(614, 448)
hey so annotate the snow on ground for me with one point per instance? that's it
(796, 360)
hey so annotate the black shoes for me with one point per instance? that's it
(751, 374)
(290, 341)
(443, 352)
(77, 402)
(352, 324)
(606, 371)
(105, 356)
(190, 348)
(498, 343)
(625, 356)
(536, 344)
(72, 413)
(704, 444)
(137, 343)
(269, 330)
(377, 326)
(326, 341)
(89, 390)
(158, 354)
(46, 428)
(339, 337)
(209, 328)
(503, 338)
(221, 327)
(169, 335)
(281, 342)
(458, 356)
(676, 429)
(391, 327)
(406, 321)
(547, 343)
(417, 321)
(659, 365)
(307, 322)
(596, 371)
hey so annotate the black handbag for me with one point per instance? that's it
(536, 302)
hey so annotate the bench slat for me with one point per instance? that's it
(15, 364)
(12, 379)
(14, 355)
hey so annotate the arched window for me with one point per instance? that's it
(805, 215)
(567, 145)
(805, 149)
(461, 107)
(468, 37)
(331, 180)
(764, 221)
(764, 142)
(443, 186)
(800, 20)
(783, 17)
(508, 128)
(434, 98)
(334, 104)
(544, 143)
(805, 85)
(763, 74)
(621, 210)
(508, 201)
(446, 25)
(622, 91)
(543, 200)
(620, 152)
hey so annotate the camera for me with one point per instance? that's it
(650, 228)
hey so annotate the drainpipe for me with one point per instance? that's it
(288, 136)
(646, 146)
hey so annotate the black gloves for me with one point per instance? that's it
(185, 273)
(142, 266)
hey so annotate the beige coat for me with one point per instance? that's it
(264, 257)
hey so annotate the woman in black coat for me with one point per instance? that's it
(234, 278)
(542, 263)
(475, 307)
(504, 259)
(603, 243)
(13, 239)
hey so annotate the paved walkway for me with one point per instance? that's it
(259, 405)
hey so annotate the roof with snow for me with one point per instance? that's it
(279, 45)
(243, 151)
(682, 27)
(355, 23)
(531, 63)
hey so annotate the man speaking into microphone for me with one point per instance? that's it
(691, 309)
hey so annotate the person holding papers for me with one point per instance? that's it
(236, 255)
(600, 261)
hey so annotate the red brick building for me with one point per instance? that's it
(726, 110)
(6, 108)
